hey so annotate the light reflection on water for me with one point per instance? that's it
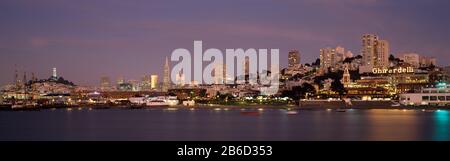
(441, 125)
(231, 124)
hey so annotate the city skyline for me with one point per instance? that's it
(131, 39)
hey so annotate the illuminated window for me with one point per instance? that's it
(433, 98)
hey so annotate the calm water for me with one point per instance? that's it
(204, 124)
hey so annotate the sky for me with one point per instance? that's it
(87, 39)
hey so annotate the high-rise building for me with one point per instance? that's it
(425, 61)
(146, 83)
(105, 83)
(16, 78)
(340, 54)
(375, 52)
(410, 58)
(180, 80)
(327, 58)
(135, 86)
(368, 51)
(293, 58)
(166, 79)
(246, 66)
(55, 75)
(348, 54)
(382, 57)
(154, 81)
(219, 73)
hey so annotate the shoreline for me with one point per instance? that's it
(229, 107)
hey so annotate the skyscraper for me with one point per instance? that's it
(219, 73)
(166, 81)
(105, 83)
(246, 66)
(368, 49)
(293, 58)
(154, 81)
(340, 53)
(180, 80)
(375, 52)
(55, 75)
(16, 78)
(382, 50)
(327, 57)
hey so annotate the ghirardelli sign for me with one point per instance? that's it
(398, 70)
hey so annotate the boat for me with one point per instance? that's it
(162, 101)
(341, 110)
(137, 100)
(157, 103)
(24, 106)
(17, 106)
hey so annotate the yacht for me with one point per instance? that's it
(436, 96)
(162, 101)
(157, 103)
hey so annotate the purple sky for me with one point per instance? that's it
(86, 39)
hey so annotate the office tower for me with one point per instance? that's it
(327, 58)
(293, 58)
(166, 81)
(105, 83)
(154, 81)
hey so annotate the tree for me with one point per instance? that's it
(316, 63)
(298, 92)
(338, 87)
(391, 57)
